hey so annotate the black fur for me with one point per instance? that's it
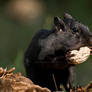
(46, 54)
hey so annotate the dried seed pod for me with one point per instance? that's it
(78, 56)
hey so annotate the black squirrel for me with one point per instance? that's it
(46, 55)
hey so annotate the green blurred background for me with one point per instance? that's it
(20, 19)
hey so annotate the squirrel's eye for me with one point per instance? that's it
(75, 30)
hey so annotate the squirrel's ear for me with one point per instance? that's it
(66, 15)
(57, 20)
(59, 24)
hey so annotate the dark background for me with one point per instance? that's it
(20, 19)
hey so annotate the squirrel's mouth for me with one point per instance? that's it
(90, 47)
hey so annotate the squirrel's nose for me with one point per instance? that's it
(90, 40)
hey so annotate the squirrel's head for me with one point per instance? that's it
(71, 33)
